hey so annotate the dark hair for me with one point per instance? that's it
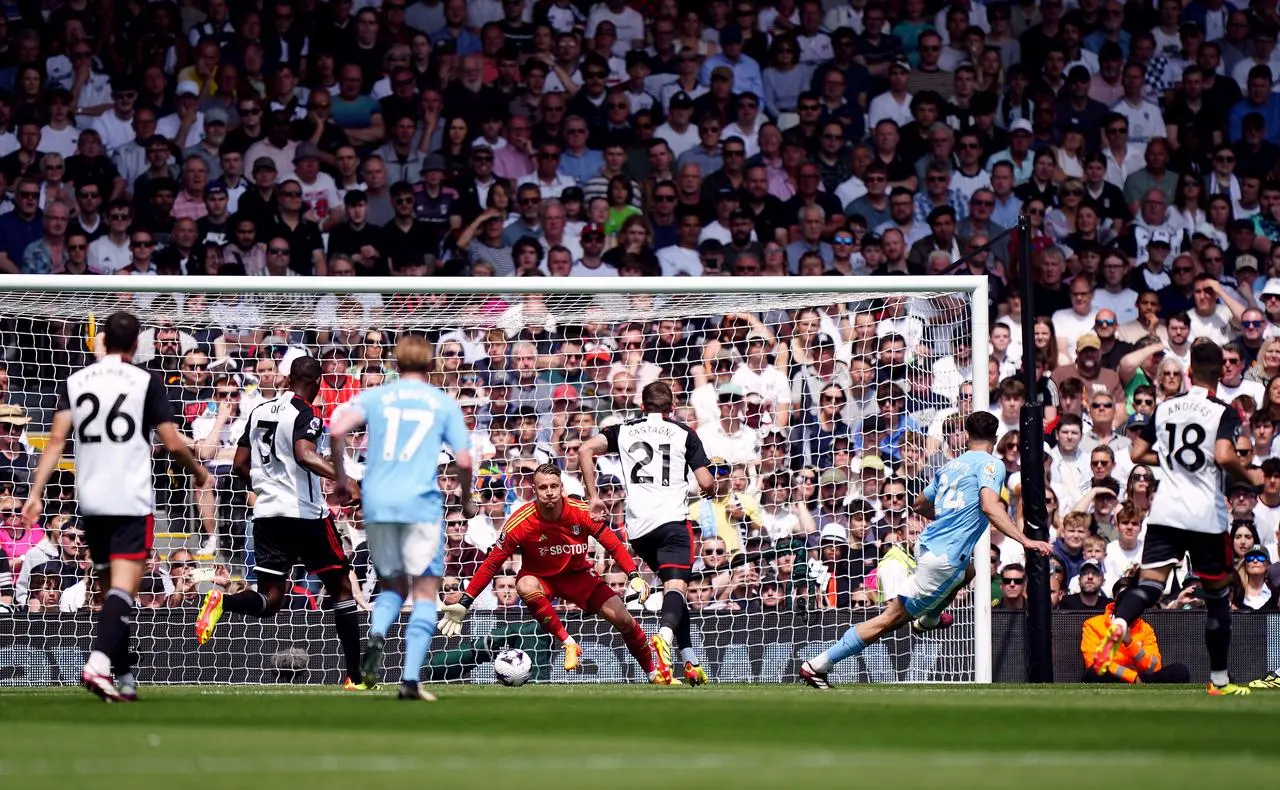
(656, 398)
(304, 369)
(982, 426)
(1206, 361)
(121, 332)
(547, 469)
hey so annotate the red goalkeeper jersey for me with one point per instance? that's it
(549, 547)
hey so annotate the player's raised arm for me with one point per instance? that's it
(49, 458)
(993, 508)
(346, 419)
(587, 453)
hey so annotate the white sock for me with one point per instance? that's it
(687, 654)
(820, 663)
(667, 635)
(1219, 678)
(126, 680)
(98, 663)
(569, 641)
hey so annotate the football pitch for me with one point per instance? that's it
(607, 737)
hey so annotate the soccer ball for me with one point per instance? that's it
(512, 667)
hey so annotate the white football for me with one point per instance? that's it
(512, 667)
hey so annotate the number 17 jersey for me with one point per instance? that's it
(1192, 485)
(656, 454)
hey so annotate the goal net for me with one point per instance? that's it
(828, 403)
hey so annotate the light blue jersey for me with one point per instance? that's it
(956, 494)
(407, 421)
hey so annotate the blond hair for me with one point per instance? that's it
(413, 354)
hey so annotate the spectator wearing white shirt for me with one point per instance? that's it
(767, 379)
(628, 22)
(1069, 473)
(894, 104)
(1233, 384)
(729, 437)
(681, 258)
(1076, 320)
(1145, 120)
(185, 126)
(115, 125)
(110, 253)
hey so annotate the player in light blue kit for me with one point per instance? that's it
(407, 422)
(962, 499)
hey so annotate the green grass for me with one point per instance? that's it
(1031, 738)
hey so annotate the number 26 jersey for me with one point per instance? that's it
(1192, 486)
(657, 453)
(114, 406)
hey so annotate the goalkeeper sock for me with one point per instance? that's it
(638, 644)
(422, 626)
(849, 645)
(540, 607)
(112, 637)
(346, 621)
(250, 602)
(674, 609)
(386, 610)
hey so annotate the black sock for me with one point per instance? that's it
(122, 660)
(1137, 600)
(346, 620)
(1217, 628)
(683, 637)
(250, 602)
(112, 637)
(674, 610)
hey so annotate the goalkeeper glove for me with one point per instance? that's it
(454, 614)
(638, 587)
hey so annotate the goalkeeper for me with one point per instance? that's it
(552, 534)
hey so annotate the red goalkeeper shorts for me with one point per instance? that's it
(583, 588)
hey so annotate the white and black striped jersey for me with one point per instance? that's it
(656, 454)
(114, 407)
(283, 487)
(1183, 434)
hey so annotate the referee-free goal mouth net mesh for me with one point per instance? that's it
(829, 410)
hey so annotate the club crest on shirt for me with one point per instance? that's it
(576, 530)
(989, 469)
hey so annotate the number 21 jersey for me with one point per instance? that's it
(1183, 434)
(656, 454)
(114, 406)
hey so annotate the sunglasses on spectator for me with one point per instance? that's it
(718, 470)
(714, 552)
(1252, 324)
(1012, 580)
(1256, 557)
(1105, 322)
(278, 250)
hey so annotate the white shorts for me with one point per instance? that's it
(929, 585)
(415, 549)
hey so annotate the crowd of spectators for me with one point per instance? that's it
(731, 138)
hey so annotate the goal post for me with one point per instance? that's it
(539, 364)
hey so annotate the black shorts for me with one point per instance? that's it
(1212, 556)
(118, 538)
(279, 543)
(668, 550)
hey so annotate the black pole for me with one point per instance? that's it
(1035, 513)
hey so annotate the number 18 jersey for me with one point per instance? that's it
(1192, 485)
(656, 454)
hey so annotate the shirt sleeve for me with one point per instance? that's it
(245, 440)
(306, 426)
(695, 454)
(64, 397)
(455, 432)
(610, 435)
(931, 490)
(158, 409)
(1148, 433)
(1229, 427)
(991, 475)
(502, 549)
(609, 539)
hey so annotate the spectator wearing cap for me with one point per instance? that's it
(185, 126)
(746, 71)
(1091, 597)
(17, 464)
(678, 131)
(729, 436)
(210, 146)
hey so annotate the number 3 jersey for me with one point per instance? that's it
(1192, 485)
(656, 454)
(956, 493)
(114, 406)
(284, 488)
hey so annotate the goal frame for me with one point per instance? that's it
(975, 286)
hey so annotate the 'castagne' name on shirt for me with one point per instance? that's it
(661, 429)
